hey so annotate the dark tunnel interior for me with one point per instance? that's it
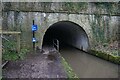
(68, 33)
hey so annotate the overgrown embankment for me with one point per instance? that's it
(106, 56)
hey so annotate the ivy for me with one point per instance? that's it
(110, 7)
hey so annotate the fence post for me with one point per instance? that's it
(1, 40)
(18, 42)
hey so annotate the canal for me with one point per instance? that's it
(88, 66)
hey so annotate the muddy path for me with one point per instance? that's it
(36, 65)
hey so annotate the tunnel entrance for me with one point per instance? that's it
(68, 33)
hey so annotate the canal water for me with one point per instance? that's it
(88, 66)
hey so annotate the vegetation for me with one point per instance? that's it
(13, 55)
(100, 24)
(114, 59)
(68, 69)
(109, 7)
(10, 53)
(75, 7)
(101, 7)
(23, 53)
(104, 35)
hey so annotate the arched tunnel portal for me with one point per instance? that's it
(67, 32)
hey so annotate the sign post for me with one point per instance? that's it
(34, 28)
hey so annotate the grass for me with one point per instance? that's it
(23, 53)
(11, 56)
(109, 57)
(68, 69)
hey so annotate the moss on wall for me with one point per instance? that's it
(70, 7)
(102, 29)
(109, 7)
(75, 7)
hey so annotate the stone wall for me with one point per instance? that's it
(101, 27)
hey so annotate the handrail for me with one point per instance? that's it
(9, 32)
(56, 45)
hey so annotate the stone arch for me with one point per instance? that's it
(67, 32)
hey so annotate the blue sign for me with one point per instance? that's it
(34, 40)
(34, 28)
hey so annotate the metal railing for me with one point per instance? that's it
(56, 44)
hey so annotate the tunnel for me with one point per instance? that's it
(67, 33)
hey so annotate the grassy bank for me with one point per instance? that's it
(106, 56)
(71, 74)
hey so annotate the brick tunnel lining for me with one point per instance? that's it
(67, 33)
